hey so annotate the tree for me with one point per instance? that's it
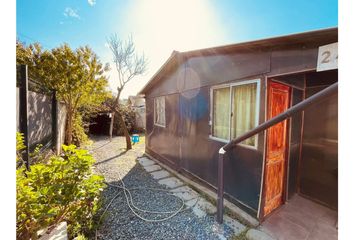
(77, 76)
(128, 64)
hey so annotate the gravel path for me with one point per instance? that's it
(120, 223)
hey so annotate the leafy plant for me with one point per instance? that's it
(63, 189)
(79, 134)
(20, 146)
(37, 156)
(77, 75)
(129, 120)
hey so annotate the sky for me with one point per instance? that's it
(160, 26)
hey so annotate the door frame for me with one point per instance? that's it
(286, 161)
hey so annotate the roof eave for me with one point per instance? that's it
(147, 86)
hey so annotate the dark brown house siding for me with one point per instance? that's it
(185, 144)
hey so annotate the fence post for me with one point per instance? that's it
(220, 199)
(55, 120)
(23, 111)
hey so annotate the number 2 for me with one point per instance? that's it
(326, 55)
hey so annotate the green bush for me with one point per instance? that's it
(79, 134)
(63, 189)
(20, 146)
(129, 119)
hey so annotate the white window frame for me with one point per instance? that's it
(155, 123)
(230, 85)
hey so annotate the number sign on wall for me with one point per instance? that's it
(327, 57)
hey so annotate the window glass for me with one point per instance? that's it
(159, 111)
(244, 111)
(221, 113)
(241, 114)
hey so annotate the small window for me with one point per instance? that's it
(221, 113)
(235, 111)
(244, 111)
(159, 111)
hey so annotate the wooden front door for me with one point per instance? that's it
(276, 151)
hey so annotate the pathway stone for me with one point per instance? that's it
(254, 234)
(171, 182)
(184, 192)
(201, 207)
(234, 224)
(205, 206)
(199, 212)
(160, 174)
(144, 161)
(121, 223)
(152, 168)
(192, 202)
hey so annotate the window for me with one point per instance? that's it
(235, 111)
(159, 111)
(221, 113)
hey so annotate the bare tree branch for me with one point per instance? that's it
(128, 64)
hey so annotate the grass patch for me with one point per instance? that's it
(233, 215)
(241, 236)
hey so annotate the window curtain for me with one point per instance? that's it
(244, 111)
(221, 113)
(160, 111)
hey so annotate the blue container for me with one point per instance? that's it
(135, 138)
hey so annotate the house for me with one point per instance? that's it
(137, 103)
(199, 100)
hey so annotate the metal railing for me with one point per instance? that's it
(271, 122)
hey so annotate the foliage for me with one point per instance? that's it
(240, 236)
(37, 156)
(127, 113)
(80, 237)
(129, 119)
(79, 134)
(20, 146)
(77, 75)
(64, 189)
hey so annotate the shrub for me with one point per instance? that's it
(129, 119)
(63, 189)
(20, 146)
(79, 134)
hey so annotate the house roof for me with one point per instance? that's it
(177, 58)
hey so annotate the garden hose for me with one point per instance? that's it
(133, 208)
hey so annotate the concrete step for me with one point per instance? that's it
(160, 174)
(254, 234)
(152, 168)
(144, 161)
(184, 192)
(171, 182)
(234, 224)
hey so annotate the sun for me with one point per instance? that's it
(161, 26)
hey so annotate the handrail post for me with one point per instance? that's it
(220, 199)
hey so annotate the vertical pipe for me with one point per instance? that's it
(55, 120)
(220, 200)
(24, 111)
